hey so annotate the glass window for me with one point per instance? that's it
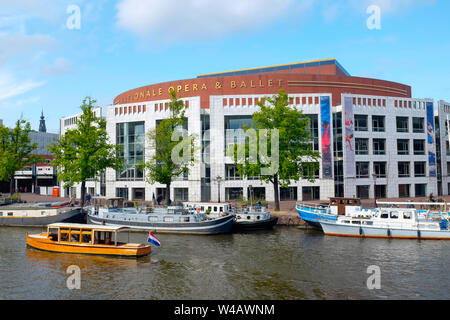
(313, 128)
(181, 194)
(403, 146)
(402, 124)
(418, 125)
(403, 169)
(361, 146)
(131, 136)
(403, 190)
(362, 192)
(394, 215)
(231, 172)
(379, 146)
(234, 193)
(288, 194)
(378, 123)
(419, 169)
(86, 238)
(310, 193)
(360, 122)
(380, 169)
(380, 191)
(419, 147)
(421, 190)
(362, 169)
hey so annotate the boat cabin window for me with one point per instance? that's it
(153, 219)
(86, 236)
(1, 214)
(394, 215)
(384, 215)
(75, 235)
(64, 234)
(406, 215)
(168, 219)
(202, 209)
(53, 233)
(103, 237)
(221, 209)
(349, 201)
(10, 214)
(341, 202)
(333, 201)
(215, 209)
(185, 219)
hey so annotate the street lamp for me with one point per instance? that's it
(218, 180)
(374, 175)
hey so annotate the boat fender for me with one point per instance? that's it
(418, 234)
(389, 232)
(361, 231)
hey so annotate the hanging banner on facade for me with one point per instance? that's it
(325, 119)
(431, 139)
(349, 138)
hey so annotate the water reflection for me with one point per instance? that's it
(286, 263)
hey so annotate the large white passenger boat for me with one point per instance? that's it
(389, 223)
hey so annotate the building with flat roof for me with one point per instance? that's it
(374, 137)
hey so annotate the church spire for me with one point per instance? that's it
(42, 127)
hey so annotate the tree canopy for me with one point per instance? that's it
(279, 149)
(84, 152)
(173, 149)
(15, 150)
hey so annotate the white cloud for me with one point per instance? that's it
(60, 66)
(10, 87)
(191, 19)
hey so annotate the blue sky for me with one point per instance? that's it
(125, 44)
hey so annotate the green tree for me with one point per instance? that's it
(15, 151)
(173, 148)
(284, 131)
(84, 152)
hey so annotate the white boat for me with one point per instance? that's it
(396, 223)
(212, 209)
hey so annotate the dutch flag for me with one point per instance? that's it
(154, 240)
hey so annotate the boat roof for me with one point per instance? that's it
(87, 226)
(108, 198)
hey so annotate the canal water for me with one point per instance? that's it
(284, 263)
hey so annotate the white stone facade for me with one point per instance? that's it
(233, 105)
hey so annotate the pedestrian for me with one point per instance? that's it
(432, 198)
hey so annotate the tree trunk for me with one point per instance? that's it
(11, 183)
(167, 193)
(276, 193)
(83, 193)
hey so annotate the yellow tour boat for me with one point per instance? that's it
(86, 239)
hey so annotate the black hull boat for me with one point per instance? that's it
(161, 220)
(253, 218)
(254, 225)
